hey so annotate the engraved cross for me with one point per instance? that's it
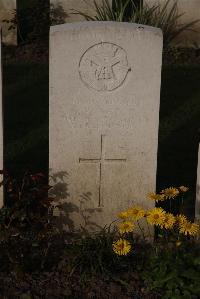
(101, 161)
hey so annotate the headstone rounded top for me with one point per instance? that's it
(104, 66)
(112, 26)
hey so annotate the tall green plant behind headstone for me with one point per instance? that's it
(129, 7)
(165, 16)
(33, 19)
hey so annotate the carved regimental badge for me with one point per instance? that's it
(104, 67)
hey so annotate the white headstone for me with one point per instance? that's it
(7, 10)
(85, 6)
(104, 116)
(197, 206)
(1, 131)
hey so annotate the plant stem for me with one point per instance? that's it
(142, 231)
(149, 231)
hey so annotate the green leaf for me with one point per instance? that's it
(191, 274)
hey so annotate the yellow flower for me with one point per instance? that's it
(170, 192)
(126, 227)
(121, 247)
(123, 215)
(183, 189)
(169, 221)
(156, 216)
(189, 228)
(181, 219)
(155, 197)
(136, 212)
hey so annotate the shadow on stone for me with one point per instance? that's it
(86, 213)
(65, 209)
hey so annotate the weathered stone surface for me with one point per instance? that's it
(197, 206)
(7, 8)
(85, 6)
(1, 131)
(190, 11)
(104, 117)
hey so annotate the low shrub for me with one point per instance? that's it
(29, 239)
(174, 272)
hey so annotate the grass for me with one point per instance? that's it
(26, 123)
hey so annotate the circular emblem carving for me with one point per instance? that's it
(104, 67)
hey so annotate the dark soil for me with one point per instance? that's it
(53, 285)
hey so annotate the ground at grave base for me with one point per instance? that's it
(89, 269)
(53, 285)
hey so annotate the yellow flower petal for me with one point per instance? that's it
(121, 247)
(155, 197)
(170, 192)
(136, 212)
(183, 189)
(156, 216)
(169, 221)
(126, 227)
(189, 228)
(180, 219)
(123, 215)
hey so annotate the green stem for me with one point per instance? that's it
(149, 231)
(142, 231)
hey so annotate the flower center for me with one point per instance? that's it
(135, 212)
(121, 246)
